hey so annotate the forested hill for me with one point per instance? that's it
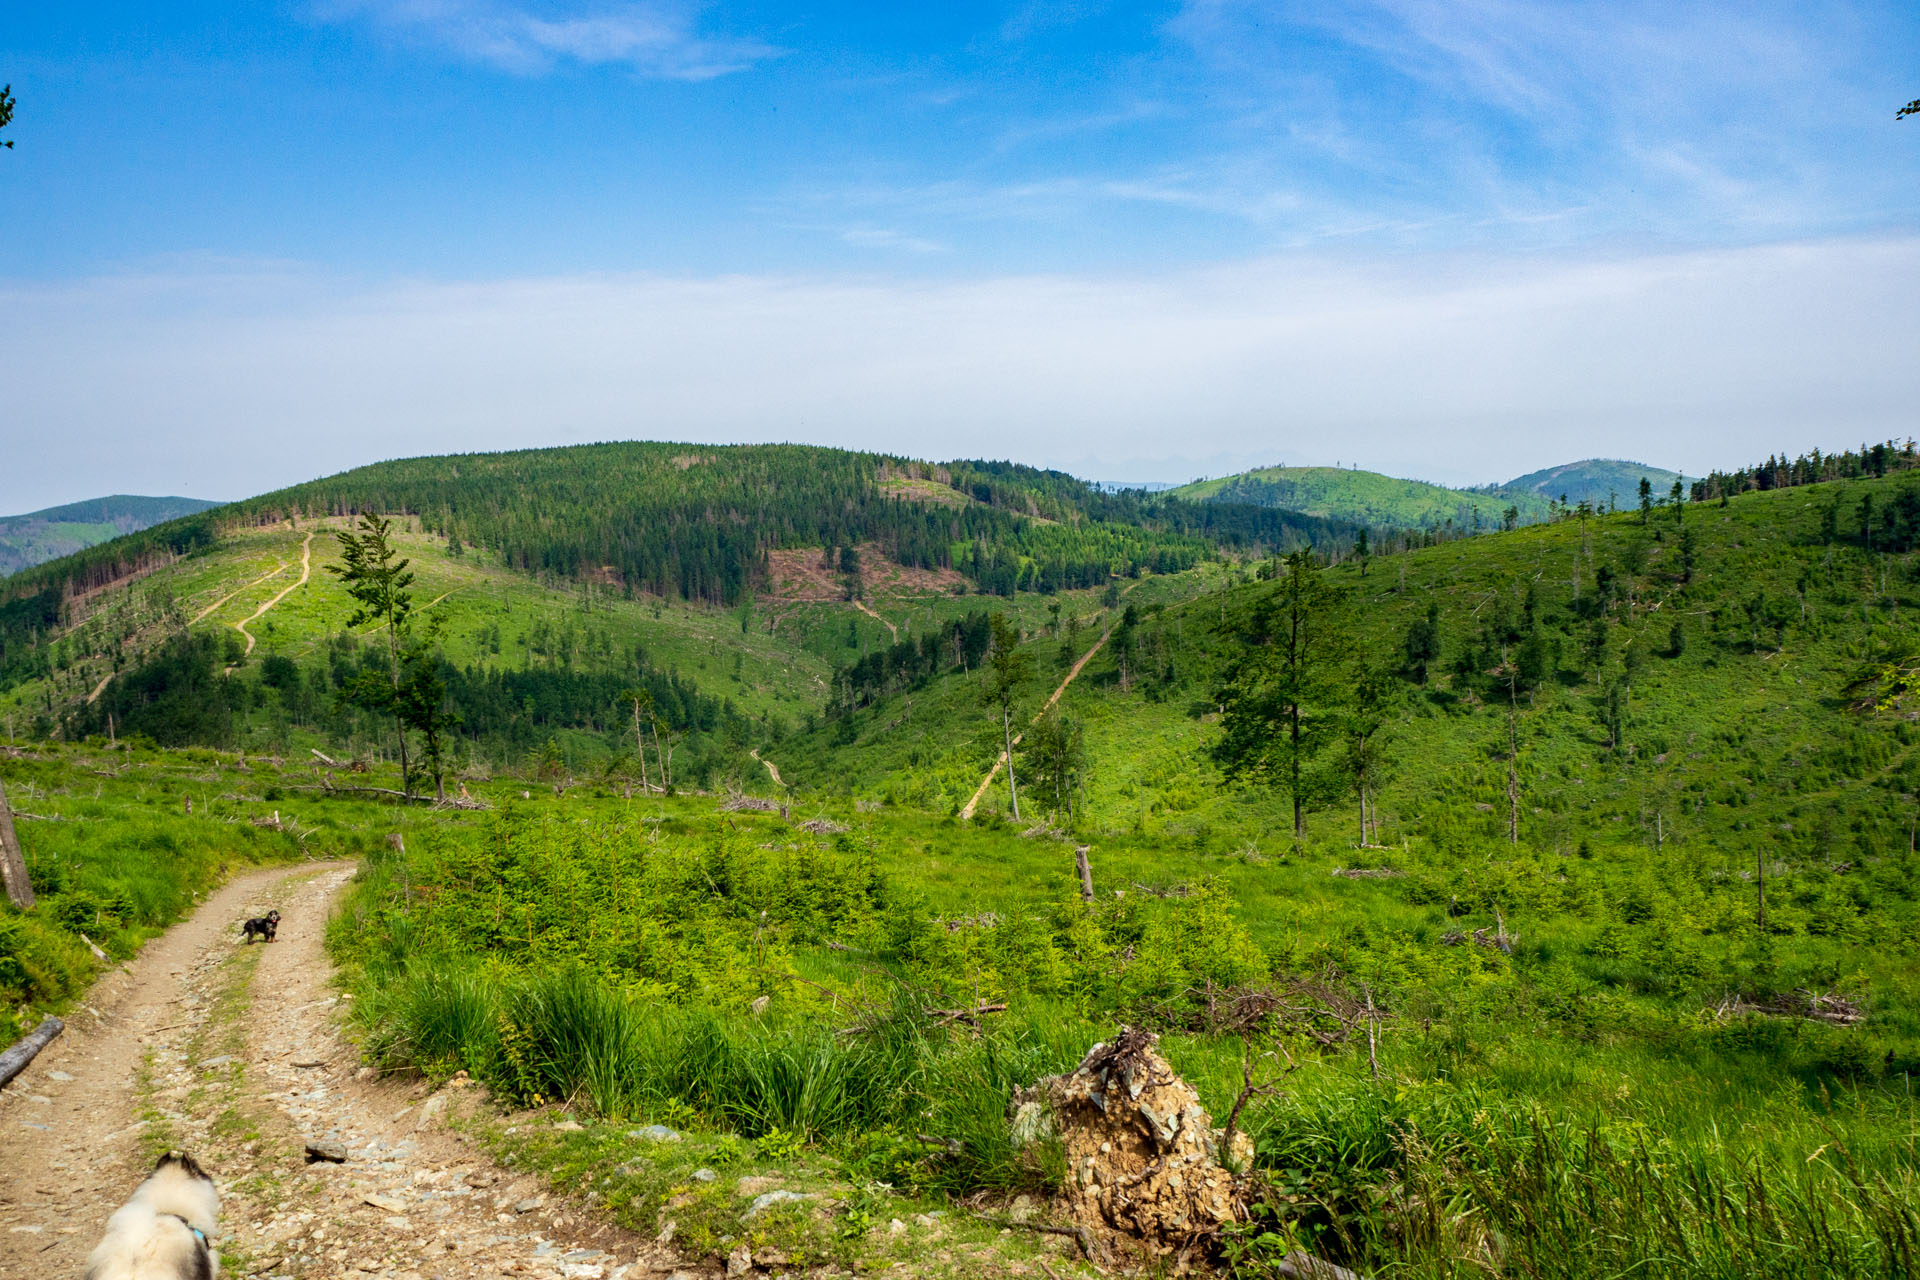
(39, 536)
(1367, 497)
(698, 521)
(1603, 482)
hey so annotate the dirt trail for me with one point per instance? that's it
(69, 1145)
(1000, 762)
(778, 781)
(233, 1053)
(274, 572)
(306, 571)
(892, 630)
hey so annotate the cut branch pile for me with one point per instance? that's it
(749, 804)
(1495, 939)
(1815, 1006)
(1320, 1008)
(1367, 873)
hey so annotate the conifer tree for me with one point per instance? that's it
(381, 590)
(1280, 701)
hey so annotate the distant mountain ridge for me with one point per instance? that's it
(1383, 501)
(1596, 480)
(1365, 497)
(48, 534)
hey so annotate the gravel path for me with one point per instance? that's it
(232, 1052)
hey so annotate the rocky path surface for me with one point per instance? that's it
(233, 1053)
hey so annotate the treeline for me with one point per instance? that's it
(27, 623)
(185, 695)
(960, 645)
(1809, 468)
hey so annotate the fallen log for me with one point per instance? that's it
(371, 791)
(15, 1060)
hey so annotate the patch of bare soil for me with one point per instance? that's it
(799, 574)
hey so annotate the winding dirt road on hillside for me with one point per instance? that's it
(306, 571)
(233, 1053)
(274, 572)
(772, 772)
(1000, 762)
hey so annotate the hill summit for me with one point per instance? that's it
(1602, 481)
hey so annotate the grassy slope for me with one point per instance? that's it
(1361, 496)
(1735, 753)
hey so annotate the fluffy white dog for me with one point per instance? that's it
(165, 1232)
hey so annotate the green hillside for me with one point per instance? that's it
(40, 536)
(701, 522)
(1604, 482)
(1598, 928)
(1366, 497)
(726, 582)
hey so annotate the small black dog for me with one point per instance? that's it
(263, 925)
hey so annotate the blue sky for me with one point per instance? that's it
(249, 242)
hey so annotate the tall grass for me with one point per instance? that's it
(1432, 1183)
(569, 1037)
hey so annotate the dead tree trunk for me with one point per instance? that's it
(1086, 872)
(13, 867)
(1006, 733)
(1513, 754)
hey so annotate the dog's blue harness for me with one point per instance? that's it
(198, 1234)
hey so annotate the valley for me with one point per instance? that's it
(1604, 838)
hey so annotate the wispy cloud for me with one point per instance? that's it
(660, 40)
(1680, 120)
(888, 238)
(1459, 368)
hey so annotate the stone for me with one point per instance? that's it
(61, 1076)
(654, 1133)
(739, 1262)
(530, 1204)
(321, 1149)
(768, 1199)
(896, 1228)
(430, 1110)
(387, 1203)
(220, 1061)
(569, 1126)
(705, 1175)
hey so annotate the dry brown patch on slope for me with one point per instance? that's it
(799, 574)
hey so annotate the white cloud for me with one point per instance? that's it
(1460, 369)
(660, 40)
